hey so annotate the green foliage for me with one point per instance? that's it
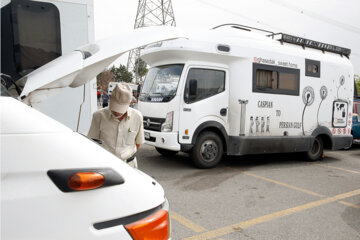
(357, 81)
(140, 68)
(103, 79)
(121, 74)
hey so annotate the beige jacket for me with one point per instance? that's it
(119, 137)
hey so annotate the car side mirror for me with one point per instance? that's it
(192, 88)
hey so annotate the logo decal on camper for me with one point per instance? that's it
(268, 124)
(263, 60)
(323, 92)
(308, 96)
(251, 126)
(262, 125)
(290, 125)
(342, 80)
(323, 95)
(265, 104)
(340, 114)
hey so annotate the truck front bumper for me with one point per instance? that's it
(165, 140)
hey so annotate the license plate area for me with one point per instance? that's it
(147, 135)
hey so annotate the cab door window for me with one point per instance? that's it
(203, 83)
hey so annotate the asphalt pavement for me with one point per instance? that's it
(277, 196)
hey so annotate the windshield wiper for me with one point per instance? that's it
(169, 97)
(159, 93)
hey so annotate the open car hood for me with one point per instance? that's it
(80, 66)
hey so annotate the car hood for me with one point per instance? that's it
(80, 66)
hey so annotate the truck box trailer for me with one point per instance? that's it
(236, 91)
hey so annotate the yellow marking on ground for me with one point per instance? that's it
(280, 183)
(295, 188)
(246, 224)
(187, 223)
(350, 204)
(342, 169)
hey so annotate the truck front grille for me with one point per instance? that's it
(153, 124)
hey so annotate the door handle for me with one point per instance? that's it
(223, 112)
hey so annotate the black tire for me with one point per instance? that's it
(165, 152)
(316, 151)
(208, 150)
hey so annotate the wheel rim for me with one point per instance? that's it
(315, 148)
(209, 150)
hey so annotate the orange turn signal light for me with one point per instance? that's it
(155, 227)
(86, 181)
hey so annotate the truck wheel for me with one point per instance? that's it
(165, 152)
(316, 151)
(208, 150)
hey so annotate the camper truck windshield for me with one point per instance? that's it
(161, 83)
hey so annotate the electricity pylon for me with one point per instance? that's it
(150, 13)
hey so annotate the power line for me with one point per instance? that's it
(308, 13)
(240, 15)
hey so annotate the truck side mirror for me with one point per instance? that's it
(192, 88)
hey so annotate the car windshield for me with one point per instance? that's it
(161, 83)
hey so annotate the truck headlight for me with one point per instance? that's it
(168, 124)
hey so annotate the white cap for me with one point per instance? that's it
(120, 98)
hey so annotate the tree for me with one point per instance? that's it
(104, 78)
(357, 81)
(121, 74)
(140, 68)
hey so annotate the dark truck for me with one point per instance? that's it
(355, 131)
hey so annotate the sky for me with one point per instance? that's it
(331, 21)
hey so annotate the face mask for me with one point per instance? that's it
(116, 117)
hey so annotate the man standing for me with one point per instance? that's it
(118, 126)
(105, 99)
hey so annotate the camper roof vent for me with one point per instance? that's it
(223, 48)
(282, 37)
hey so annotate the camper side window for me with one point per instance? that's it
(275, 80)
(312, 68)
(209, 83)
(36, 31)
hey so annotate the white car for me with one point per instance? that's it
(58, 184)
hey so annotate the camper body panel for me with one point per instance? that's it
(77, 19)
(314, 102)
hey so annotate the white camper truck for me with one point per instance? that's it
(239, 92)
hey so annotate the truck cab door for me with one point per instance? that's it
(205, 98)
